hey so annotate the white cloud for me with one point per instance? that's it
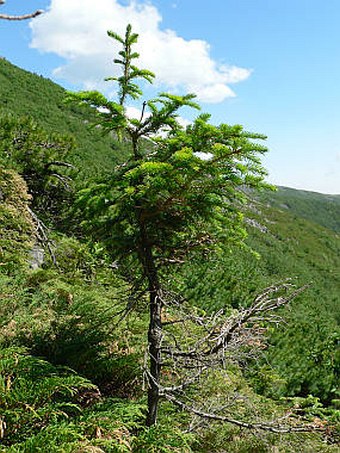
(76, 31)
(135, 113)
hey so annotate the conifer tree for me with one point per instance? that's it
(180, 190)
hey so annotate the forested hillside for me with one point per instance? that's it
(73, 325)
(307, 358)
(316, 207)
(24, 94)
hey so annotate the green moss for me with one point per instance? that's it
(17, 229)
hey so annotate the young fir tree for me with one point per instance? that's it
(180, 190)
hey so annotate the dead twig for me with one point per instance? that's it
(20, 17)
(274, 427)
(42, 235)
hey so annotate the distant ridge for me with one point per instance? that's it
(316, 207)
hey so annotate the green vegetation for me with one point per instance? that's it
(16, 223)
(26, 94)
(164, 203)
(72, 331)
(315, 207)
(304, 352)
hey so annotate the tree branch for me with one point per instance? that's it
(244, 329)
(21, 17)
(42, 236)
(59, 164)
(271, 427)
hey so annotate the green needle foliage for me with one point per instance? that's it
(127, 87)
(40, 158)
(181, 189)
(184, 197)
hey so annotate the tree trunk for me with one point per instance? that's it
(154, 339)
(155, 326)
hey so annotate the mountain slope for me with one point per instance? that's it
(316, 207)
(306, 356)
(23, 93)
(73, 315)
(295, 233)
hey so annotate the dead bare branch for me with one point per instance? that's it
(274, 427)
(227, 336)
(64, 180)
(59, 164)
(42, 235)
(194, 344)
(20, 17)
(23, 16)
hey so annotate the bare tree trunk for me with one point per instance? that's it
(155, 327)
(154, 339)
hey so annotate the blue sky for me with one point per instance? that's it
(271, 65)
